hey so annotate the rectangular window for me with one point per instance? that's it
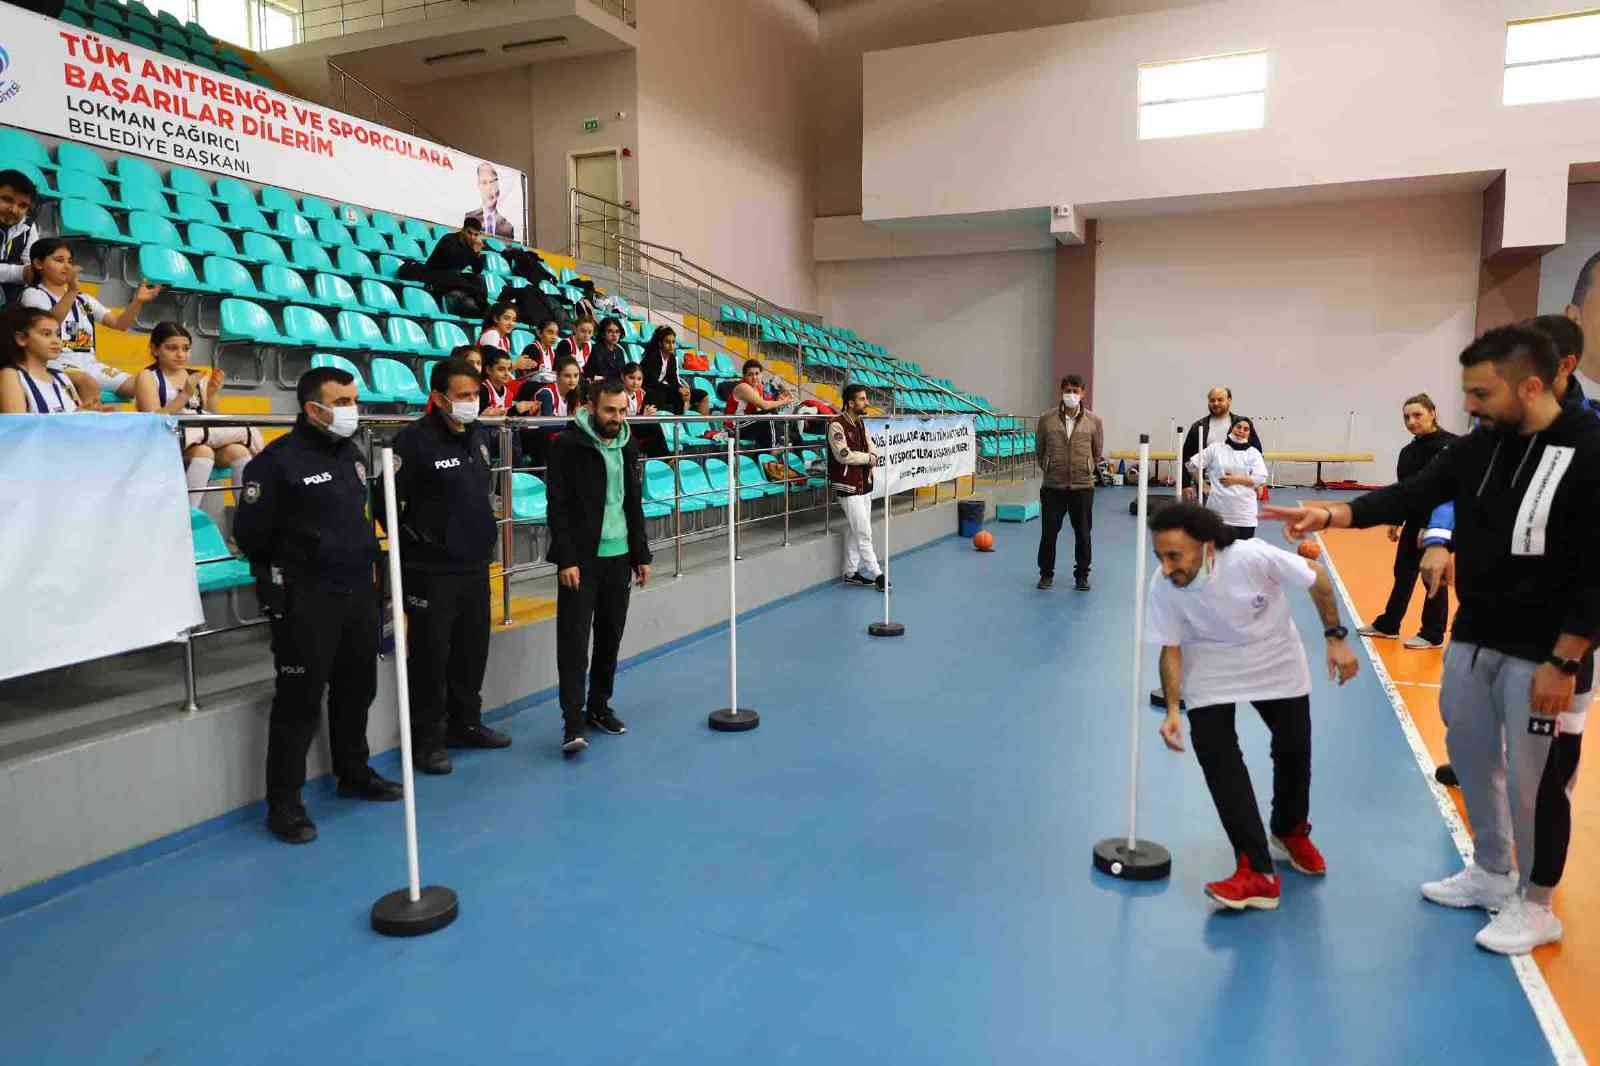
(1209, 95)
(226, 20)
(278, 27)
(1556, 58)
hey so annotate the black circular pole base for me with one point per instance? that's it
(1148, 861)
(886, 629)
(729, 721)
(396, 915)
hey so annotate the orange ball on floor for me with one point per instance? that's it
(983, 540)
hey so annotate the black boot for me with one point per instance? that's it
(291, 824)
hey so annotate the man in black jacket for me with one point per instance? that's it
(1427, 441)
(455, 267)
(599, 548)
(306, 527)
(1214, 426)
(1526, 491)
(443, 479)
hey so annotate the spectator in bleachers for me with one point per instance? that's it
(501, 388)
(18, 194)
(29, 382)
(700, 404)
(55, 290)
(305, 525)
(749, 397)
(497, 326)
(538, 360)
(666, 390)
(455, 268)
(608, 357)
(599, 548)
(443, 479)
(580, 345)
(554, 399)
(168, 386)
(851, 462)
(651, 438)
(488, 216)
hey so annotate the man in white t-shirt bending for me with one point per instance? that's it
(1218, 610)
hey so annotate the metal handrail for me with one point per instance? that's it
(416, 125)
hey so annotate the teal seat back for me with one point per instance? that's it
(193, 208)
(339, 362)
(184, 180)
(360, 329)
(331, 232)
(275, 199)
(234, 191)
(350, 215)
(306, 326)
(244, 318)
(378, 296)
(352, 260)
(692, 476)
(144, 198)
(408, 248)
(370, 240)
(420, 302)
(228, 275)
(211, 240)
(493, 262)
(317, 208)
(331, 288)
(132, 171)
(281, 283)
(307, 253)
(81, 186)
(448, 335)
(17, 146)
(70, 155)
(528, 500)
(384, 222)
(148, 228)
(292, 226)
(417, 230)
(407, 335)
(396, 379)
(248, 216)
(520, 339)
(208, 543)
(658, 484)
(261, 246)
(81, 217)
(167, 266)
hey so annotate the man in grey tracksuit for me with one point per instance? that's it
(1517, 676)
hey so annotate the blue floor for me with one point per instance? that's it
(895, 868)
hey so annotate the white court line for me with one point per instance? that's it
(1563, 1045)
(1419, 684)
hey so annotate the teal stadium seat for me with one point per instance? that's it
(316, 208)
(234, 191)
(248, 216)
(215, 568)
(279, 282)
(81, 218)
(292, 227)
(148, 228)
(228, 277)
(528, 501)
(245, 320)
(659, 487)
(306, 328)
(406, 336)
(448, 335)
(330, 290)
(332, 233)
(168, 267)
(419, 303)
(350, 215)
(189, 182)
(132, 171)
(353, 261)
(379, 298)
(307, 254)
(370, 240)
(209, 240)
(199, 209)
(77, 185)
(276, 199)
(364, 393)
(750, 473)
(717, 477)
(384, 222)
(360, 331)
(143, 198)
(396, 379)
(19, 147)
(408, 248)
(261, 248)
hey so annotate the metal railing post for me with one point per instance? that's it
(191, 687)
(677, 503)
(508, 530)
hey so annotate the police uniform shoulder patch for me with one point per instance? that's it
(252, 491)
(361, 469)
(483, 450)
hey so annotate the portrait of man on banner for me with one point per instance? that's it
(490, 212)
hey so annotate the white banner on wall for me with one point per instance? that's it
(914, 453)
(101, 562)
(58, 79)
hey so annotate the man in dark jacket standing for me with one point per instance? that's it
(305, 525)
(443, 479)
(1215, 425)
(1427, 441)
(1518, 672)
(599, 548)
(1068, 446)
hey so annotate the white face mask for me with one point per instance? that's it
(345, 420)
(464, 411)
(1070, 400)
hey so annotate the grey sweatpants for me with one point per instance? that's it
(1517, 785)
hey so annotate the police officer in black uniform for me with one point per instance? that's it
(443, 478)
(305, 525)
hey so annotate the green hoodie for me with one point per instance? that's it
(614, 528)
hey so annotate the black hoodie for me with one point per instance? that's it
(1526, 508)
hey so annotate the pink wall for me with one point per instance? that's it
(1364, 90)
(724, 157)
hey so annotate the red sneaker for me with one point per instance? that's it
(1303, 855)
(1246, 888)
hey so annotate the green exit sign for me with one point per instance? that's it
(590, 125)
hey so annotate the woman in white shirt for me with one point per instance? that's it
(29, 342)
(77, 313)
(1235, 472)
(498, 326)
(169, 386)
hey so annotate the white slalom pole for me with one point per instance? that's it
(731, 719)
(391, 523)
(1138, 642)
(413, 910)
(888, 509)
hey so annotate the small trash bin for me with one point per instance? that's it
(969, 517)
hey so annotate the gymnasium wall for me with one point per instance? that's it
(1308, 313)
(982, 320)
(1359, 91)
(1558, 271)
(725, 159)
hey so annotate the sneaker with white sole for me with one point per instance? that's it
(1374, 631)
(1519, 928)
(1472, 887)
(1420, 643)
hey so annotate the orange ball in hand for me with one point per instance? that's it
(1310, 549)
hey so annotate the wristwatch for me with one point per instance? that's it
(1336, 632)
(1569, 667)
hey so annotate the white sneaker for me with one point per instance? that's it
(1420, 642)
(1519, 928)
(1472, 887)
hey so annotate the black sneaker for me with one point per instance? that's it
(1081, 584)
(607, 722)
(1446, 776)
(291, 824)
(880, 583)
(1046, 580)
(857, 579)
(375, 788)
(572, 742)
(431, 761)
(477, 736)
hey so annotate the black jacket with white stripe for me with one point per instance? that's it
(1526, 511)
